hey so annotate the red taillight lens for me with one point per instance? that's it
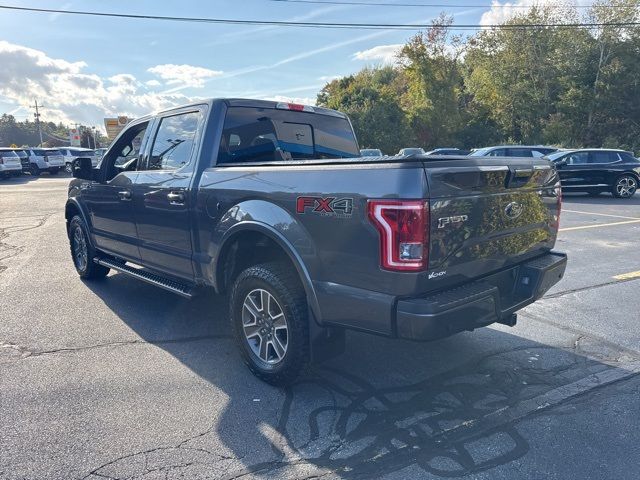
(558, 192)
(404, 234)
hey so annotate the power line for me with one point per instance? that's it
(285, 23)
(435, 5)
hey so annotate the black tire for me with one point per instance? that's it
(34, 170)
(625, 186)
(78, 243)
(282, 283)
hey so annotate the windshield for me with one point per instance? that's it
(253, 134)
(411, 151)
(7, 154)
(78, 153)
(480, 152)
(370, 152)
(556, 155)
(21, 153)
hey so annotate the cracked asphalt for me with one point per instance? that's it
(116, 379)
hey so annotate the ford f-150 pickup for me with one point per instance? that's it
(272, 204)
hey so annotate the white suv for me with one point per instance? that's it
(9, 163)
(44, 160)
(72, 153)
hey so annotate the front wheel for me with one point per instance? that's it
(82, 252)
(270, 322)
(68, 168)
(34, 170)
(625, 186)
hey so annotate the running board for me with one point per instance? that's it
(145, 276)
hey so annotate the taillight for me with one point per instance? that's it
(404, 234)
(558, 192)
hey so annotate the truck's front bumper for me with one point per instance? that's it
(492, 299)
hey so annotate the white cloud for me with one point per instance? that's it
(329, 78)
(502, 11)
(184, 75)
(385, 54)
(69, 93)
(152, 83)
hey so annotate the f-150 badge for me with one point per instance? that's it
(444, 221)
(340, 207)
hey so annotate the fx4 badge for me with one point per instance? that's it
(339, 207)
(444, 221)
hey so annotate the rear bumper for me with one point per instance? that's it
(477, 304)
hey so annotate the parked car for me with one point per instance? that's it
(72, 153)
(302, 255)
(598, 170)
(24, 159)
(448, 151)
(9, 163)
(513, 151)
(100, 152)
(45, 160)
(371, 152)
(406, 152)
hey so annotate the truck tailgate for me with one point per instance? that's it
(490, 213)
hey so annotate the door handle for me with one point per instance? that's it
(125, 195)
(175, 198)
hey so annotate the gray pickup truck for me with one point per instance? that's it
(272, 204)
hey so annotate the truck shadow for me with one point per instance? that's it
(450, 408)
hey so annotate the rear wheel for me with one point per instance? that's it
(625, 186)
(270, 321)
(82, 252)
(34, 170)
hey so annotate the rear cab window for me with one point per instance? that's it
(255, 134)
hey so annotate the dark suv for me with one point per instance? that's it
(598, 170)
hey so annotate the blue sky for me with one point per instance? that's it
(83, 68)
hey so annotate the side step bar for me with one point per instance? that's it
(146, 276)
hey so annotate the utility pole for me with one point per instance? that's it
(37, 115)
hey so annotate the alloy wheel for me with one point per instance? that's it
(626, 186)
(265, 326)
(80, 254)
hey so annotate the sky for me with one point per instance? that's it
(85, 68)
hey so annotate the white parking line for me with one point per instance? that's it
(599, 225)
(600, 214)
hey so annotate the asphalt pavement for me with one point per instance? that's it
(117, 379)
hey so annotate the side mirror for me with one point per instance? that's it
(561, 163)
(82, 168)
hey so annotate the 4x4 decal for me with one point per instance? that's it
(342, 207)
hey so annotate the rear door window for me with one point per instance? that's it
(603, 157)
(520, 152)
(252, 134)
(498, 152)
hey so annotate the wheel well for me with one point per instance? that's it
(244, 250)
(70, 211)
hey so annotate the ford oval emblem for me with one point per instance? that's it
(514, 210)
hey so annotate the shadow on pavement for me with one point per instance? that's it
(449, 407)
